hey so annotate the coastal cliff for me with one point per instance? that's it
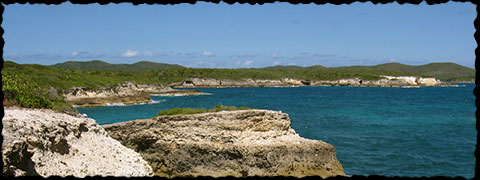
(126, 93)
(41, 142)
(384, 81)
(209, 82)
(226, 143)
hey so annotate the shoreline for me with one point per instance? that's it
(127, 93)
(130, 93)
(384, 81)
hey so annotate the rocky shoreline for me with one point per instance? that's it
(126, 93)
(384, 81)
(131, 93)
(41, 142)
(227, 143)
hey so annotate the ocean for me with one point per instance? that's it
(412, 132)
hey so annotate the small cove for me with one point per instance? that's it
(427, 131)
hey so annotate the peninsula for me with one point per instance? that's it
(96, 83)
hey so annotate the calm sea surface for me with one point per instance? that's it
(427, 131)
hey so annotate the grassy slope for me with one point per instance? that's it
(100, 65)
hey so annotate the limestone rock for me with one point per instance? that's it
(428, 81)
(226, 143)
(385, 81)
(126, 93)
(43, 142)
(210, 82)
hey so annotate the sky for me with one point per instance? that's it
(208, 35)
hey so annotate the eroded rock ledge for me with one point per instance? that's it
(126, 93)
(43, 142)
(227, 143)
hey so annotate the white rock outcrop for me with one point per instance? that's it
(428, 81)
(227, 143)
(43, 142)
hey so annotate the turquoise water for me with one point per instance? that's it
(427, 131)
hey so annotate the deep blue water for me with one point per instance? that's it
(427, 131)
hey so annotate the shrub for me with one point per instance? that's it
(28, 94)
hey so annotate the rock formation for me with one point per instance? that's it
(43, 142)
(226, 143)
(126, 93)
(209, 82)
(384, 81)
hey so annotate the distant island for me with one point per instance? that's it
(98, 83)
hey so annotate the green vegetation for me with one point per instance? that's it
(442, 71)
(64, 79)
(28, 94)
(183, 111)
(100, 65)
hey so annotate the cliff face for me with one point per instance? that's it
(201, 82)
(385, 81)
(227, 143)
(46, 143)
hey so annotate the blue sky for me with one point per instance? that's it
(237, 36)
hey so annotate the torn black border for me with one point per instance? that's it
(260, 2)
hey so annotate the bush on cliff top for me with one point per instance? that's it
(183, 111)
(26, 93)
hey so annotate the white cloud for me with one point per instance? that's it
(13, 56)
(276, 56)
(74, 53)
(276, 63)
(246, 55)
(244, 63)
(203, 64)
(323, 55)
(130, 53)
(209, 54)
(148, 54)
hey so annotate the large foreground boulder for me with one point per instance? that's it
(43, 142)
(227, 143)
